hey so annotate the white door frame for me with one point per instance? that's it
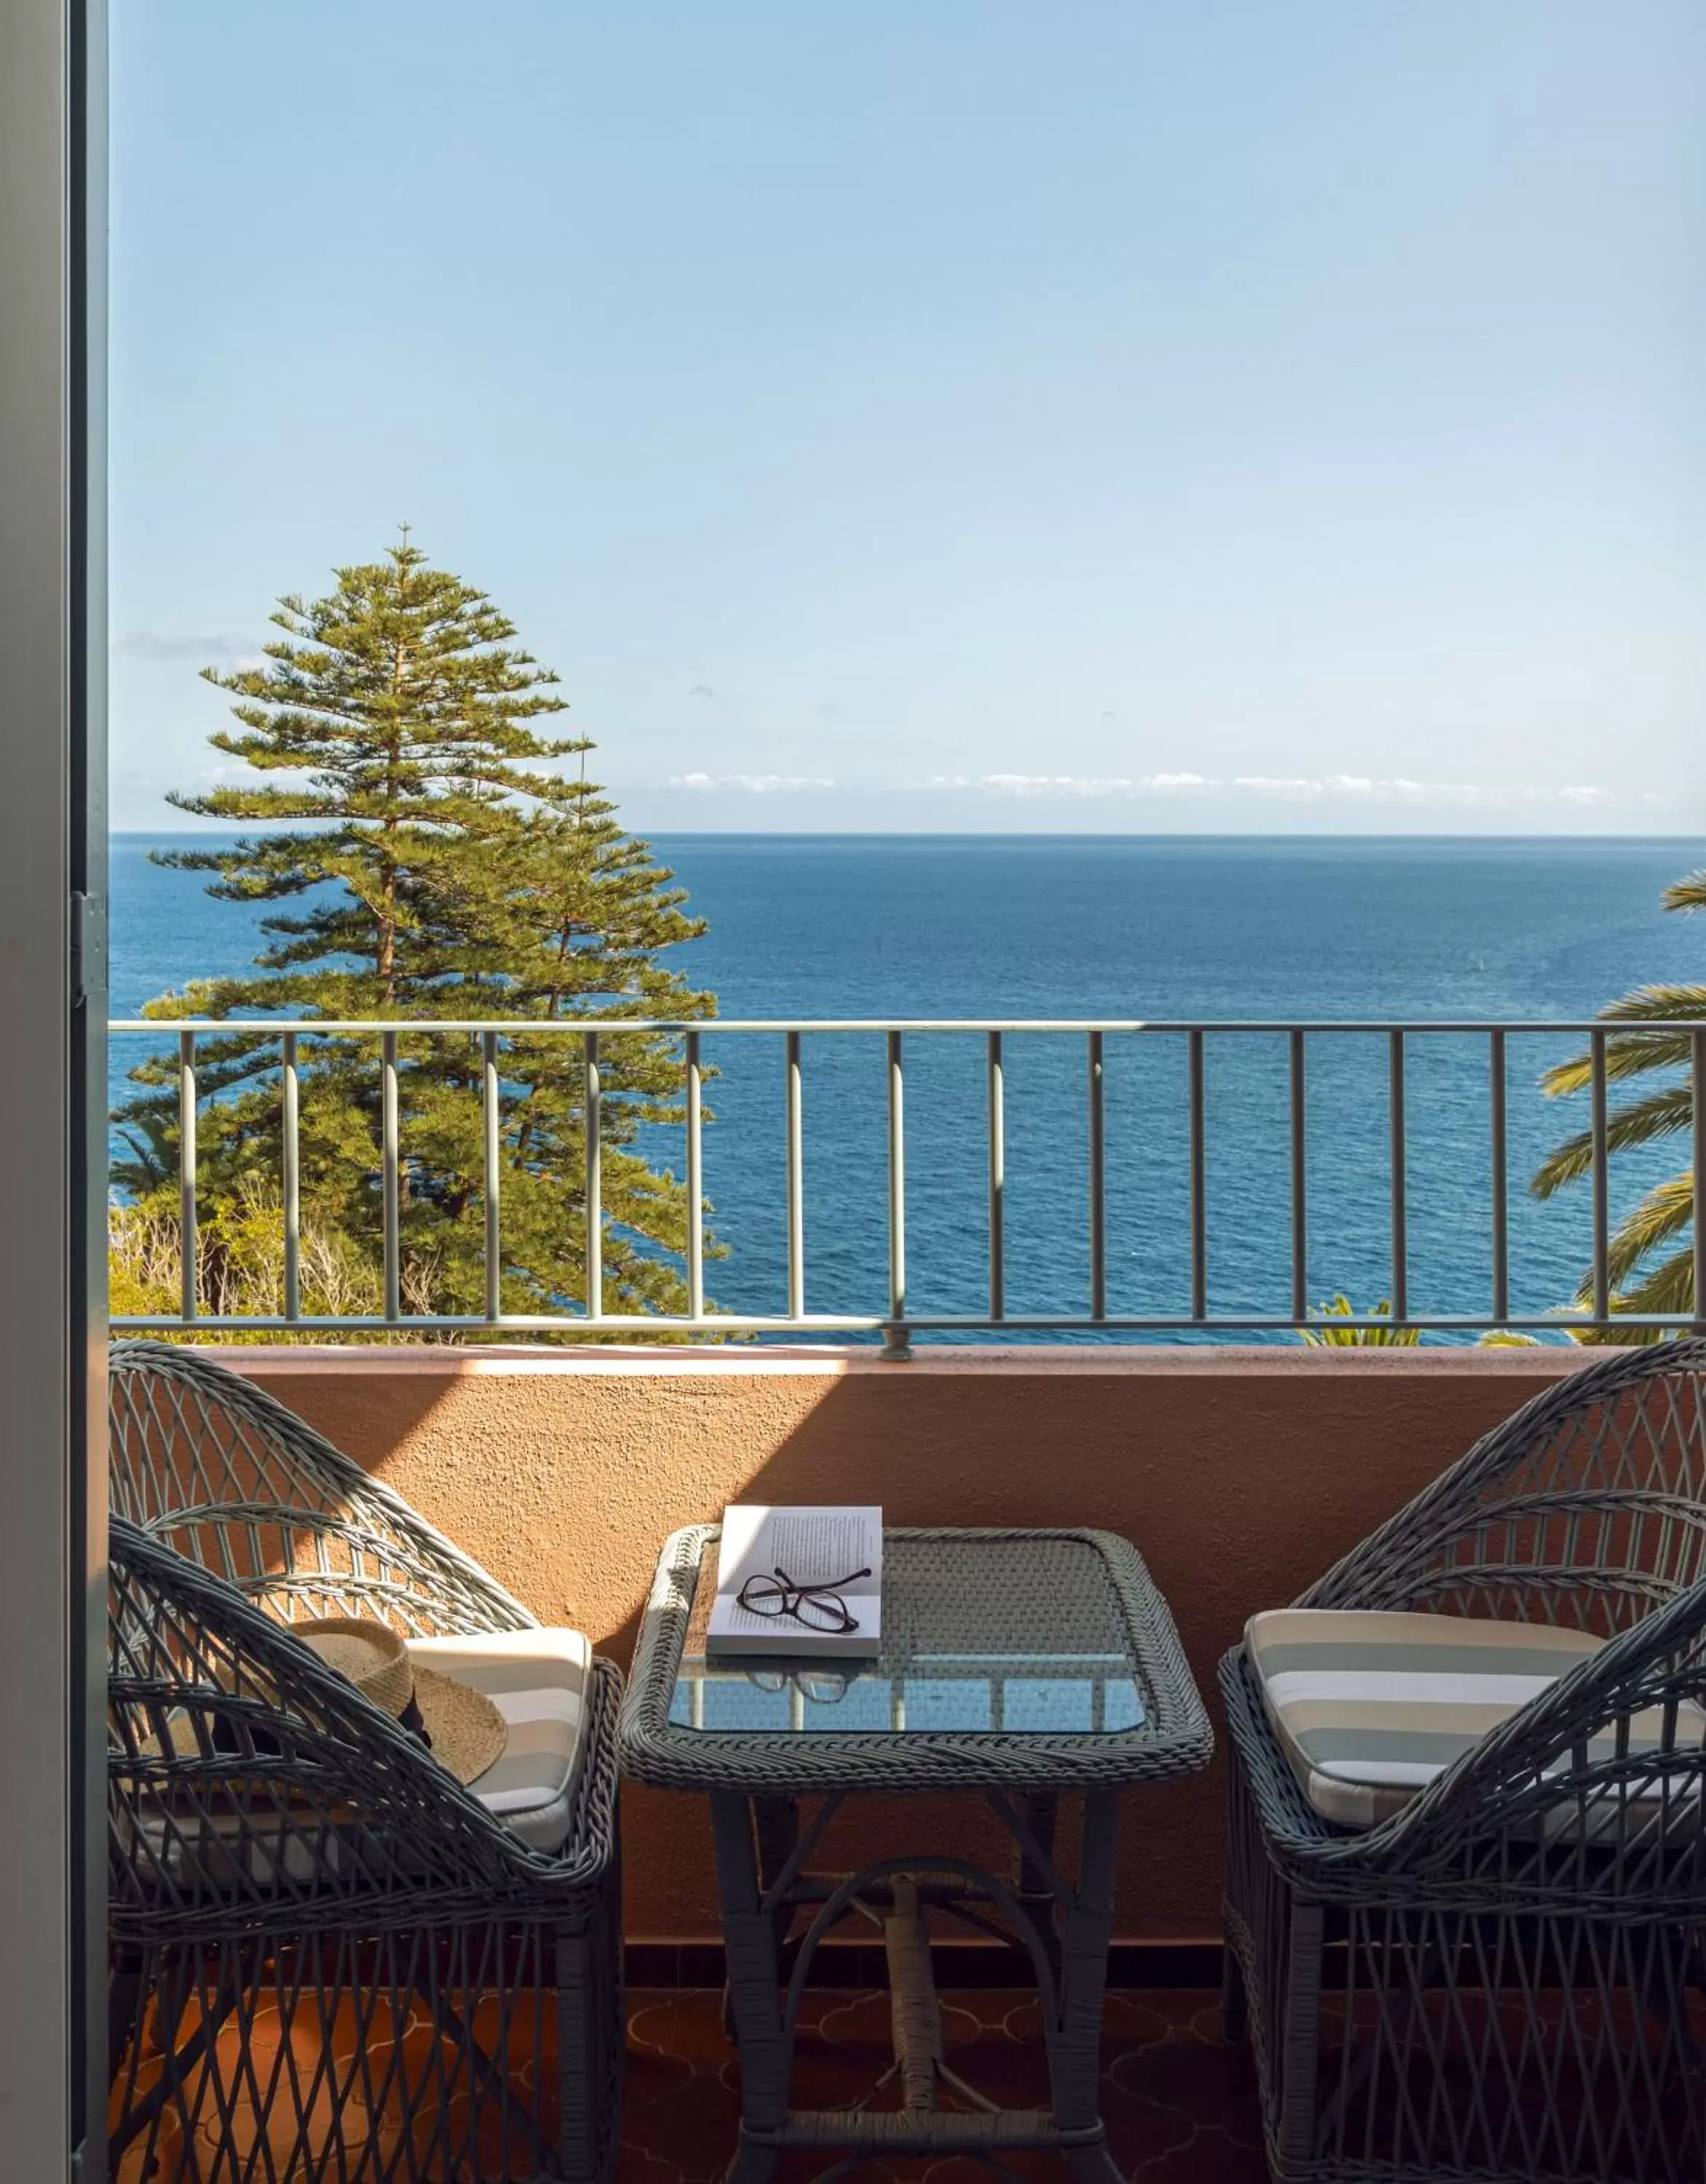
(52, 1094)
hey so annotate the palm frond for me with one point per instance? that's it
(1326, 1336)
(1688, 893)
(1657, 1004)
(1633, 1053)
(1668, 1287)
(1648, 1039)
(153, 1163)
(1618, 1337)
(1660, 1115)
(1665, 1213)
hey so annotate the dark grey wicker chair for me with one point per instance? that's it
(328, 1958)
(1504, 1980)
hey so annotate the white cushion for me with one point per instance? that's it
(539, 1681)
(1369, 1707)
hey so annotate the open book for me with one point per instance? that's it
(830, 1560)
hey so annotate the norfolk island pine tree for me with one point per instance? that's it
(429, 858)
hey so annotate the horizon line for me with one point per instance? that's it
(1029, 834)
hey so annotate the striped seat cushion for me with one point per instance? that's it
(1369, 1707)
(539, 1680)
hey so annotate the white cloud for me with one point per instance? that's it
(749, 784)
(1288, 788)
(1053, 784)
(1354, 790)
(1036, 784)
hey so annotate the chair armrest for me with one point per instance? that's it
(1613, 1753)
(1595, 1788)
(244, 1773)
(1291, 1826)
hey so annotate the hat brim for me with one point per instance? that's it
(468, 1731)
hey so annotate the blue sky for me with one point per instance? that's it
(1170, 413)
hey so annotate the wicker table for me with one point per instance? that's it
(1023, 1664)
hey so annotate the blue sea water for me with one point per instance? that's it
(1166, 929)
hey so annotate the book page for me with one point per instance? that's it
(839, 1546)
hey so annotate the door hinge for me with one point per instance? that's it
(88, 947)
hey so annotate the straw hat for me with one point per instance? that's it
(461, 1726)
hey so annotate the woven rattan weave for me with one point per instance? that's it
(328, 1958)
(974, 1621)
(1505, 1980)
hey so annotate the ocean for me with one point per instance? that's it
(1159, 928)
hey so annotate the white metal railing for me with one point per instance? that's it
(900, 1320)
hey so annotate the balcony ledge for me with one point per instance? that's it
(947, 1361)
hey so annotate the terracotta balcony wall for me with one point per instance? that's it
(1241, 1473)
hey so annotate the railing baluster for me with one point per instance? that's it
(1300, 1184)
(1395, 1076)
(188, 1248)
(492, 1119)
(1098, 1182)
(998, 1179)
(695, 1188)
(391, 1158)
(1500, 1178)
(1699, 1099)
(1200, 1179)
(595, 1180)
(1602, 1181)
(292, 1178)
(797, 1184)
(896, 1335)
(894, 1321)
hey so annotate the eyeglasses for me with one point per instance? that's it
(816, 1607)
(817, 1686)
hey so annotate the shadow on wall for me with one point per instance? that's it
(1240, 1475)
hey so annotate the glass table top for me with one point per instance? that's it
(1011, 1637)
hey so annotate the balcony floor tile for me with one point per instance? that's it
(1179, 2105)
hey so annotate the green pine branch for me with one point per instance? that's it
(430, 854)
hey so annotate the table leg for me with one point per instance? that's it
(1031, 1883)
(776, 1830)
(1076, 2054)
(777, 1825)
(749, 1940)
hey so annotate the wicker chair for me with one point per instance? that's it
(1504, 1978)
(328, 1958)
